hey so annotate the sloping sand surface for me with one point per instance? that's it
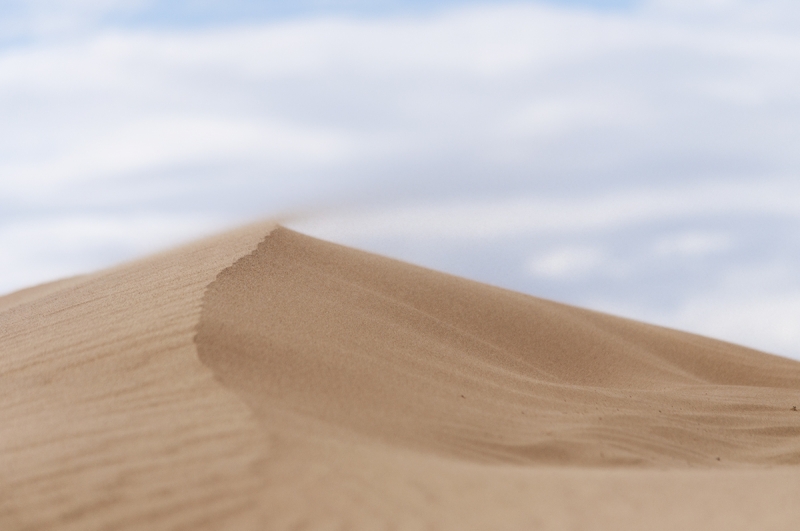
(255, 381)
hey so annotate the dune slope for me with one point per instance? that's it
(407, 356)
(267, 380)
(107, 418)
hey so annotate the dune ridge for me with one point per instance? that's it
(264, 379)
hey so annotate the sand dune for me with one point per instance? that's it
(267, 380)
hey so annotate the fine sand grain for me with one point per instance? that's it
(267, 380)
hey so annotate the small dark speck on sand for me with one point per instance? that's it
(794, 408)
(462, 396)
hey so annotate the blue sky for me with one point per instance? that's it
(214, 12)
(634, 158)
(193, 13)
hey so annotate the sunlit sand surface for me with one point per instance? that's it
(264, 379)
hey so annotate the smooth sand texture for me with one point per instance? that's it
(297, 384)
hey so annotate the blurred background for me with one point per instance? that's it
(638, 157)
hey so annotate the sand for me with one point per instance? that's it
(263, 379)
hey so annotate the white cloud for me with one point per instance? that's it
(164, 142)
(767, 322)
(563, 115)
(534, 93)
(693, 243)
(568, 262)
(511, 216)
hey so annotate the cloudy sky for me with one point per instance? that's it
(636, 157)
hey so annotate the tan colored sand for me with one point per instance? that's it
(297, 384)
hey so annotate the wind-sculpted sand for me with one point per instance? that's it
(267, 380)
